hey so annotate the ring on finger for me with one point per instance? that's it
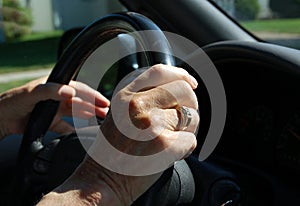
(185, 117)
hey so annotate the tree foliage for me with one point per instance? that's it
(11, 3)
(246, 9)
(17, 21)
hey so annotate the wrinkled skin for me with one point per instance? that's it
(151, 101)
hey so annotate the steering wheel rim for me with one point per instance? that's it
(73, 57)
(68, 67)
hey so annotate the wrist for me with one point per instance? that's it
(90, 184)
(121, 189)
(111, 187)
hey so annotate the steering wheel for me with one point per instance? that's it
(35, 157)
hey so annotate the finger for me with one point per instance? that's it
(161, 74)
(177, 93)
(89, 94)
(82, 109)
(83, 114)
(171, 118)
(79, 106)
(182, 93)
(180, 144)
(52, 91)
(62, 92)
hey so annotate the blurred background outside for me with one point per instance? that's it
(30, 29)
(276, 21)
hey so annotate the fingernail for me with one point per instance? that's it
(106, 110)
(102, 112)
(194, 82)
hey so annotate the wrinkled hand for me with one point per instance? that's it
(17, 104)
(148, 104)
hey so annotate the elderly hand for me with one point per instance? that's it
(145, 119)
(16, 104)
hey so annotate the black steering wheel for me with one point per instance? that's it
(36, 160)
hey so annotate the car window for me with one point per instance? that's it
(30, 32)
(274, 21)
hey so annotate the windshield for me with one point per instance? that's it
(274, 21)
(31, 31)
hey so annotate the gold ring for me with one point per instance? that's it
(185, 117)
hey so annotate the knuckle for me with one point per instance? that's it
(138, 112)
(157, 69)
(138, 102)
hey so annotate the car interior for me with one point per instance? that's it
(256, 160)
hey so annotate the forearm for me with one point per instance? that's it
(80, 197)
(93, 185)
(4, 131)
(86, 187)
(11, 114)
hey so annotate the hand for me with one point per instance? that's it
(16, 104)
(152, 102)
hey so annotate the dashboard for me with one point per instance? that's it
(261, 139)
(263, 119)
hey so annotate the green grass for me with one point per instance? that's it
(9, 85)
(36, 51)
(291, 26)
